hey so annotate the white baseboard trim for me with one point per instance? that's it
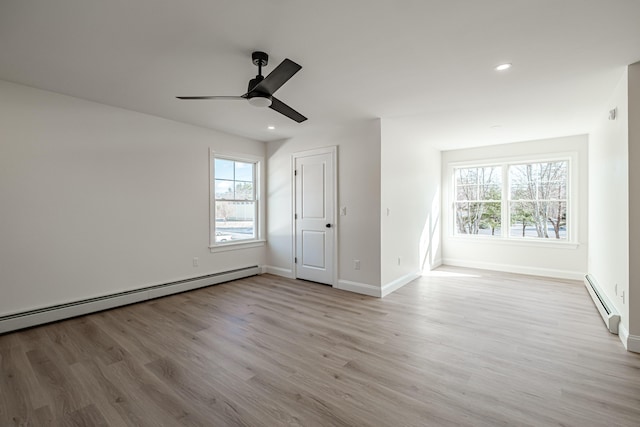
(437, 263)
(398, 283)
(633, 343)
(278, 271)
(78, 308)
(630, 342)
(623, 334)
(518, 269)
(360, 288)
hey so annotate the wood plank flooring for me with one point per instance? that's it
(460, 347)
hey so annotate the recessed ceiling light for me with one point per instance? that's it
(503, 67)
(271, 127)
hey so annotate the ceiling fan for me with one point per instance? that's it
(261, 89)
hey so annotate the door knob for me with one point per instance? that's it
(328, 226)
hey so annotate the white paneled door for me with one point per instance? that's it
(314, 216)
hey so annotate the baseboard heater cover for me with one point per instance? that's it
(605, 307)
(53, 313)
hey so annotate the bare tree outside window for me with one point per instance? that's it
(478, 204)
(532, 197)
(538, 200)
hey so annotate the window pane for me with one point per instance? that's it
(490, 175)
(522, 220)
(235, 221)
(482, 218)
(244, 171)
(544, 219)
(224, 189)
(490, 219)
(557, 219)
(539, 194)
(479, 183)
(463, 218)
(553, 171)
(244, 191)
(522, 191)
(467, 192)
(474, 186)
(523, 185)
(223, 169)
(490, 192)
(538, 180)
(553, 190)
(466, 176)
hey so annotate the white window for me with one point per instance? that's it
(234, 200)
(538, 200)
(519, 200)
(478, 205)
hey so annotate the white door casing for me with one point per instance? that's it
(314, 215)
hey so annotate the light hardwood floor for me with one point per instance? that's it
(459, 348)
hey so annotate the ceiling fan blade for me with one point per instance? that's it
(210, 97)
(283, 108)
(277, 77)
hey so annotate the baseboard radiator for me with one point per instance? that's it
(53, 313)
(605, 307)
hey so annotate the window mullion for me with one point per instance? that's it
(506, 213)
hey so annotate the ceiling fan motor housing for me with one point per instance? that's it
(255, 97)
(254, 82)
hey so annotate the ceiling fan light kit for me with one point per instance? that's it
(258, 100)
(261, 89)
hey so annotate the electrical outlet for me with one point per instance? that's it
(343, 211)
(356, 264)
(196, 261)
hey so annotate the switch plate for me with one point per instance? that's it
(356, 264)
(196, 261)
(343, 211)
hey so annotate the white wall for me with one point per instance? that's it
(537, 258)
(410, 203)
(96, 200)
(608, 259)
(634, 206)
(358, 191)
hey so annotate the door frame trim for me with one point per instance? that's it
(333, 150)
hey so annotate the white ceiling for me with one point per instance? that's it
(429, 60)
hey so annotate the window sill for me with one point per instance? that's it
(235, 246)
(517, 242)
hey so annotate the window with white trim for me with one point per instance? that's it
(234, 200)
(478, 205)
(531, 198)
